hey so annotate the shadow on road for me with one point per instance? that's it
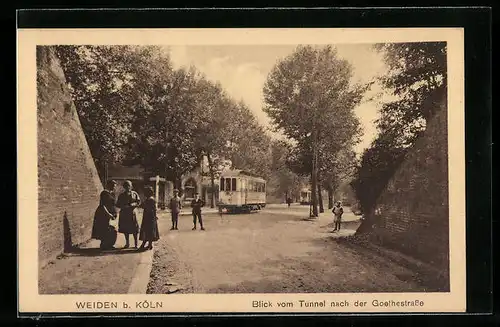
(94, 252)
(428, 279)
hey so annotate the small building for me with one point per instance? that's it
(198, 181)
(140, 178)
(194, 182)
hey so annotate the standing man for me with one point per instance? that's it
(175, 209)
(196, 204)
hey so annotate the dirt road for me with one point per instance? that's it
(271, 251)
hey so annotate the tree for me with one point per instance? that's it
(341, 169)
(136, 109)
(378, 164)
(212, 132)
(247, 146)
(417, 77)
(283, 182)
(166, 125)
(309, 98)
(108, 84)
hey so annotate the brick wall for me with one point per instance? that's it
(413, 216)
(68, 183)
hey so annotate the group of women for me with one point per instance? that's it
(128, 201)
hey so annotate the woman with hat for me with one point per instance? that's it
(128, 201)
(101, 229)
(149, 226)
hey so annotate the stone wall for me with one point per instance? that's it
(68, 183)
(411, 214)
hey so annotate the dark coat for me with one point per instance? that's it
(149, 225)
(100, 226)
(196, 205)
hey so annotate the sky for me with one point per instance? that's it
(243, 69)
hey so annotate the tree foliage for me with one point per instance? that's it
(310, 98)
(135, 108)
(311, 89)
(283, 182)
(103, 84)
(417, 79)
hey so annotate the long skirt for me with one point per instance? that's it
(149, 230)
(102, 230)
(100, 225)
(110, 238)
(127, 222)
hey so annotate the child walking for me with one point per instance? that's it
(337, 212)
(149, 226)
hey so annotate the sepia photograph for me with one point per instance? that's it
(298, 174)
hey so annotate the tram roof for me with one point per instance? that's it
(239, 172)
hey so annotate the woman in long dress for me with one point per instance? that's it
(149, 226)
(128, 201)
(101, 229)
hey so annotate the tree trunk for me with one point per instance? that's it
(106, 177)
(314, 176)
(101, 171)
(330, 197)
(320, 199)
(212, 181)
(178, 184)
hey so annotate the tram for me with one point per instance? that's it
(241, 191)
(305, 196)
